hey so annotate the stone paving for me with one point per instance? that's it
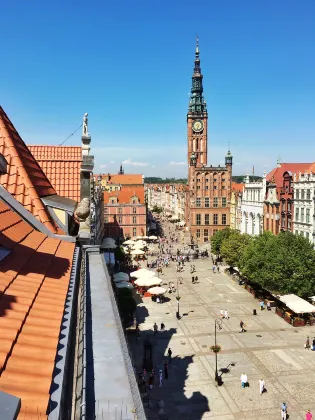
(270, 349)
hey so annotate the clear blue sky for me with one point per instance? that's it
(129, 65)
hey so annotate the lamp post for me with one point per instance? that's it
(179, 281)
(217, 325)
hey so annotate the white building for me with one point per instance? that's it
(304, 204)
(252, 207)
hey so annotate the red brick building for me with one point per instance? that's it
(279, 204)
(207, 204)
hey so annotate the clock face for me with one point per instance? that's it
(197, 126)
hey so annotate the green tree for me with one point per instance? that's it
(233, 247)
(218, 238)
(126, 303)
(282, 264)
(157, 209)
(119, 253)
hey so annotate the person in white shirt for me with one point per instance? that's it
(226, 314)
(261, 386)
(244, 380)
(221, 313)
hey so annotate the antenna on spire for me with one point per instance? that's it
(197, 44)
(229, 144)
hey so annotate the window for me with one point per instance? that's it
(297, 215)
(302, 215)
(120, 220)
(198, 202)
(134, 220)
(198, 187)
(119, 210)
(223, 201)
(289, 224)
(223, 179)
(215, 219)
(105, 210)
(134, 210)
(4, 252)
(307, 220)
(205, 232)
(134, 232)
(215, 202)
(215, 187)
(207, 219)
(207, 187)
(214, 179)
(207, 202)
(207, 180)
(307, 235)
(223, 219)
(198, 179)
(223, 187)
(302, 194)
(198, 233)
(308, 194)
(198, 219)
(297, 194)
(289, 206)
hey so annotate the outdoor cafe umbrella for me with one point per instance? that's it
(124, 285)
(157, 290)
(129, 242)
(148, 282)
(153, 237)
(142, 272)
(137, 252)
(145, 237)
(138, 237)
(121, 276)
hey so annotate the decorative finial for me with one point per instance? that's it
(197, 44)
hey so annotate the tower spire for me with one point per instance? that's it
(197, 104)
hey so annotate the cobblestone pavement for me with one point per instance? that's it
(270, 349)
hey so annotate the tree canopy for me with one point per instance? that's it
(218, 238)
(233, 247)
(284, 263)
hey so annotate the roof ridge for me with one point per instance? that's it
(15, 152)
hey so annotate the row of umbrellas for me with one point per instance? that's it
(145, 278)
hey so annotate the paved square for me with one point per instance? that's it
(270, 349)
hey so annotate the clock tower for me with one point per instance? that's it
(197, 118)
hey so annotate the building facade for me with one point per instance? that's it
(252, 207)
(125, 213)
(170, 197)
(236, 206)
(209, 192)
(304, 204)
(279, 203)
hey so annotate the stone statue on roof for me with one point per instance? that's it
(85, 125)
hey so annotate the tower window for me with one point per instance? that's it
(198, 219)
(197, 144)
(214, 179)
(215, 219)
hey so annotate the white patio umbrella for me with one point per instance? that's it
(137, 252)
(138, 245)
(148, 282)
(124, 285)
(145, 237)
(157, 290)
(141, 272)
(129, 242)
(121, 276)
(153, 237)
(138, 237)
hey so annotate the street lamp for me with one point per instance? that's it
(179, 281)
(217, 325)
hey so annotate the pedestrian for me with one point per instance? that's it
(165, 370)
(226, 314)
(144, 375)
(169, 353)
(218, 269)
(196, 279)
(242, 325)
(308, 415)
(244, 380)
(284, 411)
(261, 303)
(313, 344)
(261, 386)
(157, 299)
(155, 328)
(150, 381)
(193, 279)
(162, 326)
(213, 269)
(161, 378)
(268, 306)
(221, 313)
(307, 343)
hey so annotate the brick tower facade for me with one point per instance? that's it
(209, 191)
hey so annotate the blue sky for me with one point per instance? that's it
(129, 65)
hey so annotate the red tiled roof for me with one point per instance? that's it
(126, 179)
(277, 173)
(62, 166)
(125, 194)
(33, 288)
(25, 180)
(237, 187)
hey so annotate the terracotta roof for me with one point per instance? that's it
(125, 194)
(62, 166)
(126, 179)
(33, 287)
(277, 173)
(25, 180)
(237, 187)
(309, 170)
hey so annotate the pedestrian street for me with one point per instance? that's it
(270, 349)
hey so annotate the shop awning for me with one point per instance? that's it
(297, 304)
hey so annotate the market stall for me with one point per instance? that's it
(295, 310)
